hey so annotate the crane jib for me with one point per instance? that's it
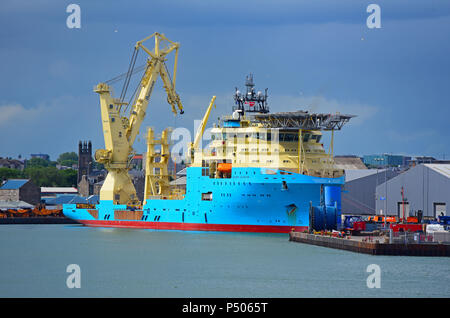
(118, 187)
(147, 97)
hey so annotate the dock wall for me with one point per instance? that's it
(373, 248)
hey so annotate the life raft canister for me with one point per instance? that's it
(224, 167)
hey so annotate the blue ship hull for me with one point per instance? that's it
(252, 200)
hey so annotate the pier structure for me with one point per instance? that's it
(377, 245)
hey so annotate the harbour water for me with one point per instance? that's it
(145, 263)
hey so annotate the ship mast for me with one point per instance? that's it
(251, 101)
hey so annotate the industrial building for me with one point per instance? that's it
(425, 187)
(386, 160)
(358, 195)
(43, 156)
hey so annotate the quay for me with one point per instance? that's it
(37, 220)
(376, 246)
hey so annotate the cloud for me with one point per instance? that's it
(52, 126)
(10, 113)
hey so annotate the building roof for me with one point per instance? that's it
(443, 169)
(58, 190)
(353, 174)
(13, 184)
(15, 205)
(66, 199)
(352, 163)
(182, 172)
(179, 181)
(93, 199)
(136, 173)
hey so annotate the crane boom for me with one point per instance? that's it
(120, 131)
(193, 146)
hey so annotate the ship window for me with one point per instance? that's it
(207, 196)
(306, 138)
(318, 137)
(288, 137)
(281, 137)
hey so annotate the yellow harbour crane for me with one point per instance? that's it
(120, 129)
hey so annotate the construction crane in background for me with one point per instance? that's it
(120, 129)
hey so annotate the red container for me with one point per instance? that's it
(406, 227)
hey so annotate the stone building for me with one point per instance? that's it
(90, 185)
(84, 159)
(20, 190)
(11, 163)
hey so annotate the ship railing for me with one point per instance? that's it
(411, 238)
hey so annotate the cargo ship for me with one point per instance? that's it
(261, 172)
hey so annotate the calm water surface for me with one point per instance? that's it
(144, 263)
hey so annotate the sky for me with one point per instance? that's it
(311, 55)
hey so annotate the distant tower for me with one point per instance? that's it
(84, 159)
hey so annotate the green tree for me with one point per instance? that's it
(44, 176)
(69, 177)
(7, 173)
(38, 162)
(67, 159)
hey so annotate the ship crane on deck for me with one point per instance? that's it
(120, 130)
